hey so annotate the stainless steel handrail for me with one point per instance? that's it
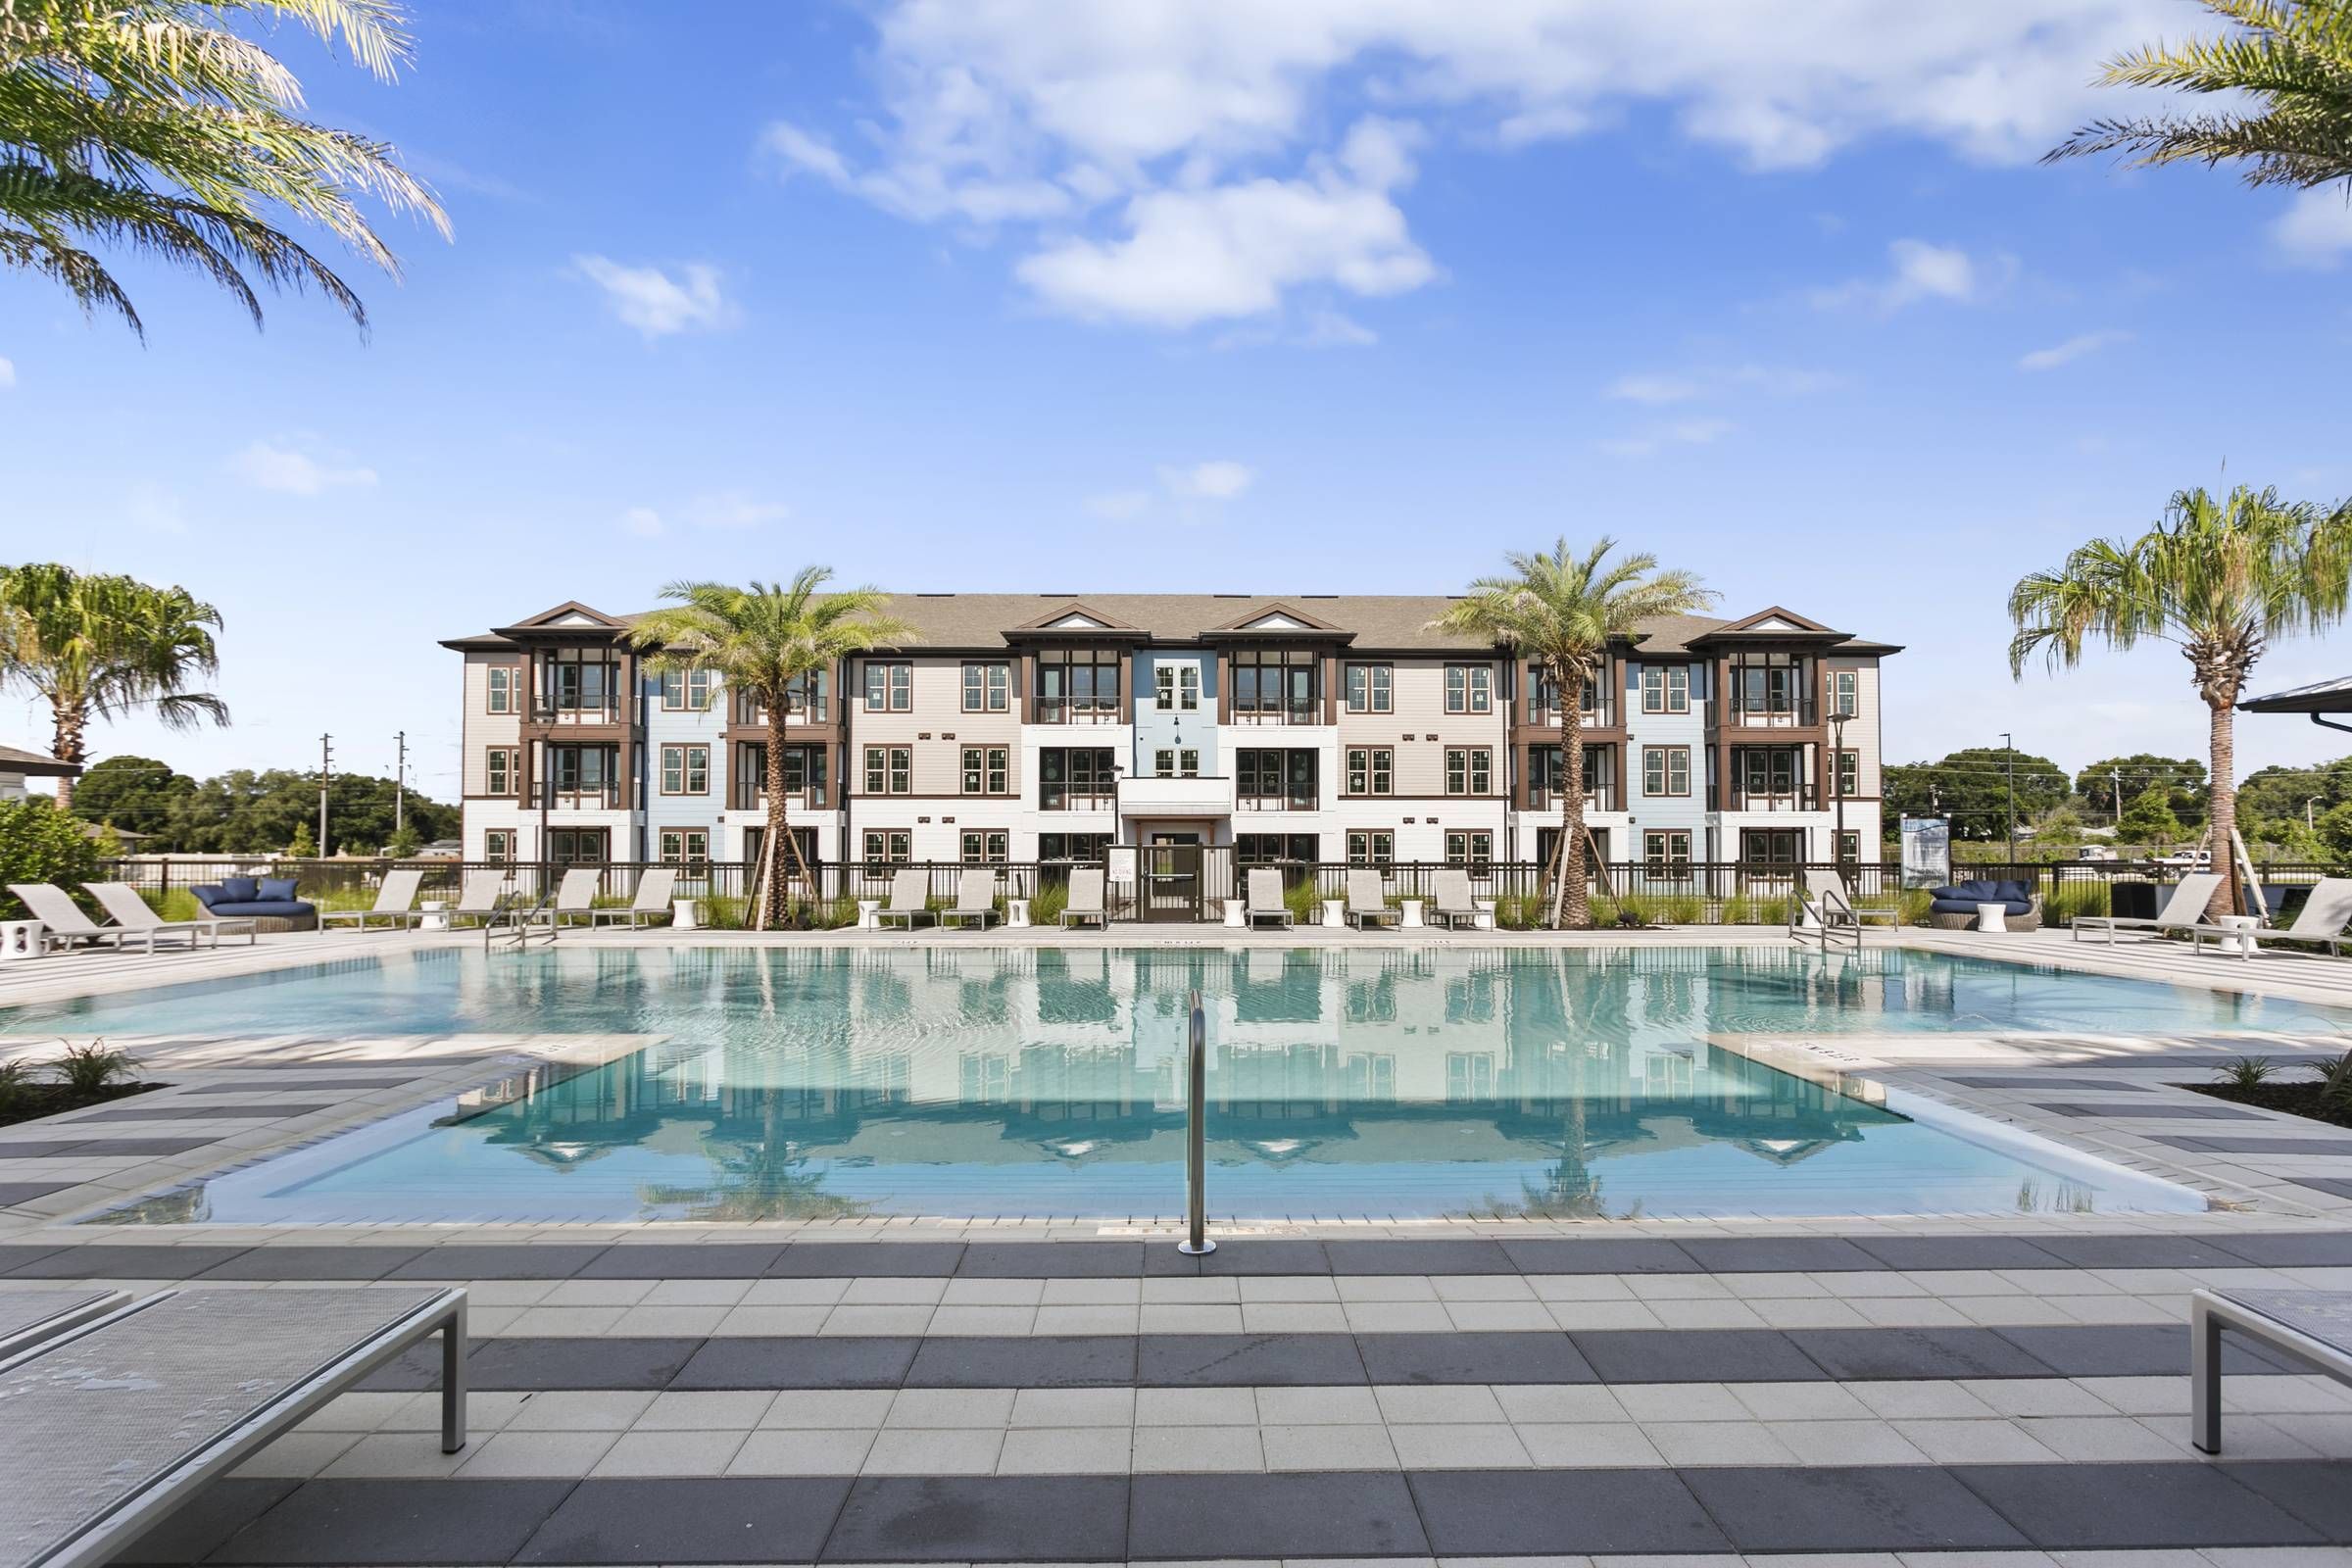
(1196, 1135)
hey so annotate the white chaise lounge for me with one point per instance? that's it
(2321, 919)
(393, 899)
(2184, 910)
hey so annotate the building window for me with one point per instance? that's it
(893, 847)
(1469, 849)
(1469, 770)
(809, 696)
(1666, 851)
(1274, 849)
(987, 688)
(1469, 688)
(1184, 762)
(1845, 693)
(983, 845)
(1371, 770)
(1274, 686)
(576, 685)
(1849, 773)
(1370, 688)
(586, 771)
(1074, 778)
(499, 843)
(1366, 846)
(1177, 688)
(685, 770)
(1767, 770)
(501, 771)
(685, 690)
(501, 688)
(987, 771)
(1773, 685)
(889, 771)
(889, 687)
(1077, 686)
(1849, 846)
(684, 846)
(1072, 846)
(1665, 770)
(1665, 688)
(1269, 780)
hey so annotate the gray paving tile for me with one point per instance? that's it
(701, 1520)
(1246, 1256)
(2126, 1349)
(982, 1518)
(1908, 1353)
(11, 1192)
(2332, 1185)
(2167, 1113)
(1052, 1260)
(1226, 1360)
(1010, 1362)
(2312, 1490)
(1694, 1356)
(1499, 1356)
(102, 1148)
(1496, 1513)
(1311, 1514)
(2115, 1507)
(2292, 1249)
(173, 1110)
(1756, 1255)
(198, 1528)
(1630, 1255)
(656, 1262)
(827, 1260)
(440, 1520)
(462, 1261)
(851, 1361)
(13, 1260)
(313, 1263)
(135, 1262)
(1957, 1251)
(1463, 1257)
(2051, 1081)
(2220, 1144)
(2136, 1252)
(302, 1086)
(529, 1363)
(1875, 1509)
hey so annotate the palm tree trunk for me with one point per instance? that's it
(775, 894)
(68, 726)
(2221, 817)
(1571, 900)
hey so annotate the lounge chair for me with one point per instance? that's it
(975, 899)
(1086, 899)
(131, 912)
(116, 1424)
(654, 890)
(479, 898)
(2184, 910)
(2321, 919)
(910, 896)
(575, 894)
(1450, 903)
(1822, 894)
(64, 925)
(30, 1314)
(392, 901)
(1265, 898)
(1367, 904)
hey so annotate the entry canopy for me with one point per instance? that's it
(2317, 700)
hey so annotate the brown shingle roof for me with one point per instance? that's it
(38, 764)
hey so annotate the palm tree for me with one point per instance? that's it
(2218, 580)
(2291, 60)
(1564, 611)
(101, 646)
(761, 639)
(151, 126)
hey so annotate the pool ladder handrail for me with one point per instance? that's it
(1196, 1134)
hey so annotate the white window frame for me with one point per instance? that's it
(1371, 688)
(1469, 688)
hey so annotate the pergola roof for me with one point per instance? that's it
(2319, 696)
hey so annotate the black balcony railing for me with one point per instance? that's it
(560, 796)
(1075, 710)
(1073, 798)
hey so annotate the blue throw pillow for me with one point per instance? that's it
(207, 894)
(276, 889)
(238, 889)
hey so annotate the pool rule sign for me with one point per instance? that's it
(1927, 851)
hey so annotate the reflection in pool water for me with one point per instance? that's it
(1343, 1082)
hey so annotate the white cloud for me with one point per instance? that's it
(158, 510)
(2317, 230)
(1126, 144)
(1653, 389)
(1219, 480)
(724, 509)
(288, 471)
(2074, 348)
(1916, 270)
(8, 374)
(1117, 505)
(657, 303)
(1657, 438)
(643, 522)
(1715, 381)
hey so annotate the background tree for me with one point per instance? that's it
(2335, 832)
(2285, 69)
(761, 641)
(155, 127)
(1564, 611)
(2181, 778)
(135, 794)
(2217, 578)
(2149, 820)
(2277, 792)
(101, 646)
(300, 845)
(1971, 786)
(38, 843)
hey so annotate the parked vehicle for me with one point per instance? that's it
(2185, 860)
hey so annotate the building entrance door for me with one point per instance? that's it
(1172, 879)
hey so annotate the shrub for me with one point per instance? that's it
(2335, 1081)
(1519, 911)
(1682, 908)
(93, 1068)
(2076, 897)
(726, 911)
(1046, 907)
(38, 843)
(15, 1077)
(2246, 1072)
(1632, 908)
(1914, 907)
(1738, 910)
(1304, 900)
(176, 904)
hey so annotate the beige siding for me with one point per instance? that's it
(1420, 712)
(937, 712)
(484, 729)
(1862, 730)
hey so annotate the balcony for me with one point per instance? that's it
(751, 794)
(1307, 713)
(1075, 710)
(1804, 797)
(1598, 798)
(1072, 798)
(1176, 796)
(578, 714)
(1798, 713)
(559, 796)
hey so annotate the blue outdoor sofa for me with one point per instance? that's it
(268, 901)
(1954, 907)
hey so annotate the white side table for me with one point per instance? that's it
(1992, 917)
(434, 915)
(685, 915)
(2241, 939)
(867, 910)
(1237, 912)
(1016, 911)
(1483, 919)
(1335, 911)
(1412, 912)
(20, 939)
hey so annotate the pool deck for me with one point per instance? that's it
(1875, 1391)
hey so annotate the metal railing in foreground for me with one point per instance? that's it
(1196, 1134)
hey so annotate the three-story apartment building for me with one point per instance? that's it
(1025, 728)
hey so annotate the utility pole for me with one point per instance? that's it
(327, 766)
(2310, 824)
(400, 785)
(2009, 756)
(2118, 775)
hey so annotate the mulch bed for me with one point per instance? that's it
(35, 1101)
(2296, 1098)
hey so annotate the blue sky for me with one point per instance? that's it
(1335, 297)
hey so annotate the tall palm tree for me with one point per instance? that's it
(2289, 61)
(2220, 579)
(1563, 612)
(101, 646)
(152, 126)
(760, 640)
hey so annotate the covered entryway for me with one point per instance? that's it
(1173, 875)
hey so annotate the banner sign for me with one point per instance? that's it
(1927, 851)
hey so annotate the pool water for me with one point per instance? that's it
(1360, 1082)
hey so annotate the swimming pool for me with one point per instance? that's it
(1343, 1082)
